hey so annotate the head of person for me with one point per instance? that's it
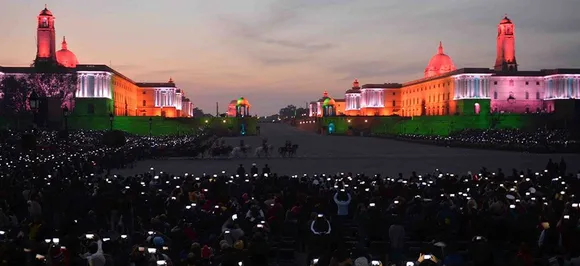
(361, 261)
(158, 242)
(342, 195)
(93, 247)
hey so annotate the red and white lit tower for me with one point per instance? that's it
(506, 46)
(45, 37)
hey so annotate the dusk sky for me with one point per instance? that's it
(283, 52)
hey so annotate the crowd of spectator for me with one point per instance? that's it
(60, 206)
(541, 140)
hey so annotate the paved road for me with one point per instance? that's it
(329, 154)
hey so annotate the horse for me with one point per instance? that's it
(292, 150)
(241, 151)
(221, 151)
(288, 151)
(265, 152)
(282, 151)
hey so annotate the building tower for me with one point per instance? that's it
(506, 46)
(45, 37)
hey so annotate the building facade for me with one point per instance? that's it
(327, 106)
(446, 90)
(101, 89)
(239, 108)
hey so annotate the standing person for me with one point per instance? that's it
(242, 146)
(254, 170)
(266, 169)
(550, 240)
(241, 170)
(397, 240)
(342, 200)
(265, 146)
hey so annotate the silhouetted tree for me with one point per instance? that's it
(199, 113)
(287, 111)
(300, 112)
(15, 91)
(292, 111)
(60, 84)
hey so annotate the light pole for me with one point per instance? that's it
(111, 117)
(150, 127)
(65, 115)
(34, 104)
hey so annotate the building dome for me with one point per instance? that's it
(324, 97)
(505, 20)
(355, 87)
(243, 102)
(65, 57)
(45, 12)
(439, 64)
(329, 102)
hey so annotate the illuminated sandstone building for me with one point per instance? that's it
(101, 89)
(445, 90)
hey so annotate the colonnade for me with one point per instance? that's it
(472, 87)
(94, 85)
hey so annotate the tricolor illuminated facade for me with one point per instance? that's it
(239, 108)
(100, 88)
(327, 106)
(445, 90)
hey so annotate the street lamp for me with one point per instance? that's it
(111, 120)
(34, 104)
(150, 126)
(65, 115)
(34, 101)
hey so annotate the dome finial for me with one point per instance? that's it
(325, 94)
(64, 44)
(440, 49)
(170, 80)
(355, 83)
(45, 6)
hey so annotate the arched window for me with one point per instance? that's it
(511, 83)
(144, 103)
(527, 95)
(495, 95)
(477, 108)
(537, 95)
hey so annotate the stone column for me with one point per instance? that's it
(100, 85)
(84, 85)
(486, 86)
(81, 86)
(96, 85)
(156, 97)
(103, 93)
(108, 89)
(88, 86)
(463, 88)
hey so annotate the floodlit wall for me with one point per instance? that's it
(159, 125)
(432, 125)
